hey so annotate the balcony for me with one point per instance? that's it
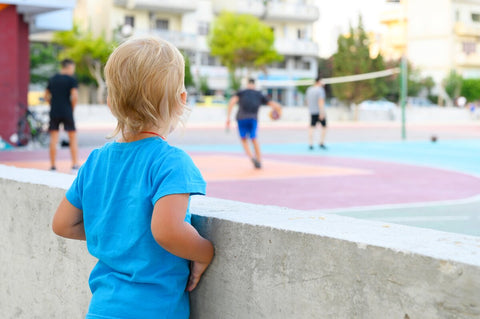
(171, 6)
(468, 60)
(253, 7)
(393, 13)
(280, 11)
(467, 29)
(296, 47)
(181, 40)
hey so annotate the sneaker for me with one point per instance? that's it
(53, 168)
(256, 163)
(310, 147)
(75, 169)
(322, 146)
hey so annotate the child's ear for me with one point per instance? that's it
(108, 102)
(183, 96)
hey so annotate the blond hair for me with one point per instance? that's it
(145, 80)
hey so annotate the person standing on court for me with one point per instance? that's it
(316, 106)
(249, 102)
(62, 94)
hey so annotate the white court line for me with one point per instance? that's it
(452, 202)
(428, 219)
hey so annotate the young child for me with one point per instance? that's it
(130, 200)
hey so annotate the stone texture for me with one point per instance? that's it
(270, 262)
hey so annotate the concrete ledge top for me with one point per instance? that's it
(403, 239)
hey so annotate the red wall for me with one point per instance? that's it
(14, 69)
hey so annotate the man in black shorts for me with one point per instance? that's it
(316, 106)
(62, 94)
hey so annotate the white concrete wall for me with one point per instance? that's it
(270, 262)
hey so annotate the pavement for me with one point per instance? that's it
(367, 171)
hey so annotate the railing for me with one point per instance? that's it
(296, 47)
(176, 6)
(467, 29)
(253, 7)
(292, 12)
(181, 40)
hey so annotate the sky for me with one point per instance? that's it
(335, 16)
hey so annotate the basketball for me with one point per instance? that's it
(274, 115)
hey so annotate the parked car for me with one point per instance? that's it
(381, 104)
(419, 101)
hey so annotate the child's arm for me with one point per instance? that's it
(68, 221)
(179, 237)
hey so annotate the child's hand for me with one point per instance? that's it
(196, 271)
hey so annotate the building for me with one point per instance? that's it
(438, 35)
(186, 24)
(18, 19)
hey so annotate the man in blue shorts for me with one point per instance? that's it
(249, 102)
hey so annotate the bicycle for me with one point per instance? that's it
(32, 127)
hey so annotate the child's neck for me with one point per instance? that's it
(127, 138)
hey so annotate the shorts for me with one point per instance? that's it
(247, 127)
(315, 118)
(68, 123)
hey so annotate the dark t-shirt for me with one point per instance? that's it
(60, 86)
(249, 102)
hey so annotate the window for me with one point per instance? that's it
(279, 65)
(130, 20)
(469, 47)
(203, 28)
(301, 64)
(206, 59)
(161, 24)
(301, 34)
(476, 17)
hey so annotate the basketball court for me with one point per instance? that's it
(416, 183)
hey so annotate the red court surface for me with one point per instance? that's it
(303, 182)
(311, 183)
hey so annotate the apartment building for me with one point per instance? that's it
(186, 23)
(438, 35)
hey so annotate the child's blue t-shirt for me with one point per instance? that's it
(116, 189)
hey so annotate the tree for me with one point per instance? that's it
(43, 62)
(242, 41)
(415, 82)
(188, 73)
(453, 84)
(89, 53)
(353, 57)
(471, 89)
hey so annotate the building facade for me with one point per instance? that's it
(186, 23)
(437, 35)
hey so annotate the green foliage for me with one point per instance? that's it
(453, 84)
(415, 82)
(303, 88)
(429, 84)
(43, 62)
(204, 88)
(188, 73)
(353, 57)
(89, 53)
(242, 41)
(234, 82)
(471, 89)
